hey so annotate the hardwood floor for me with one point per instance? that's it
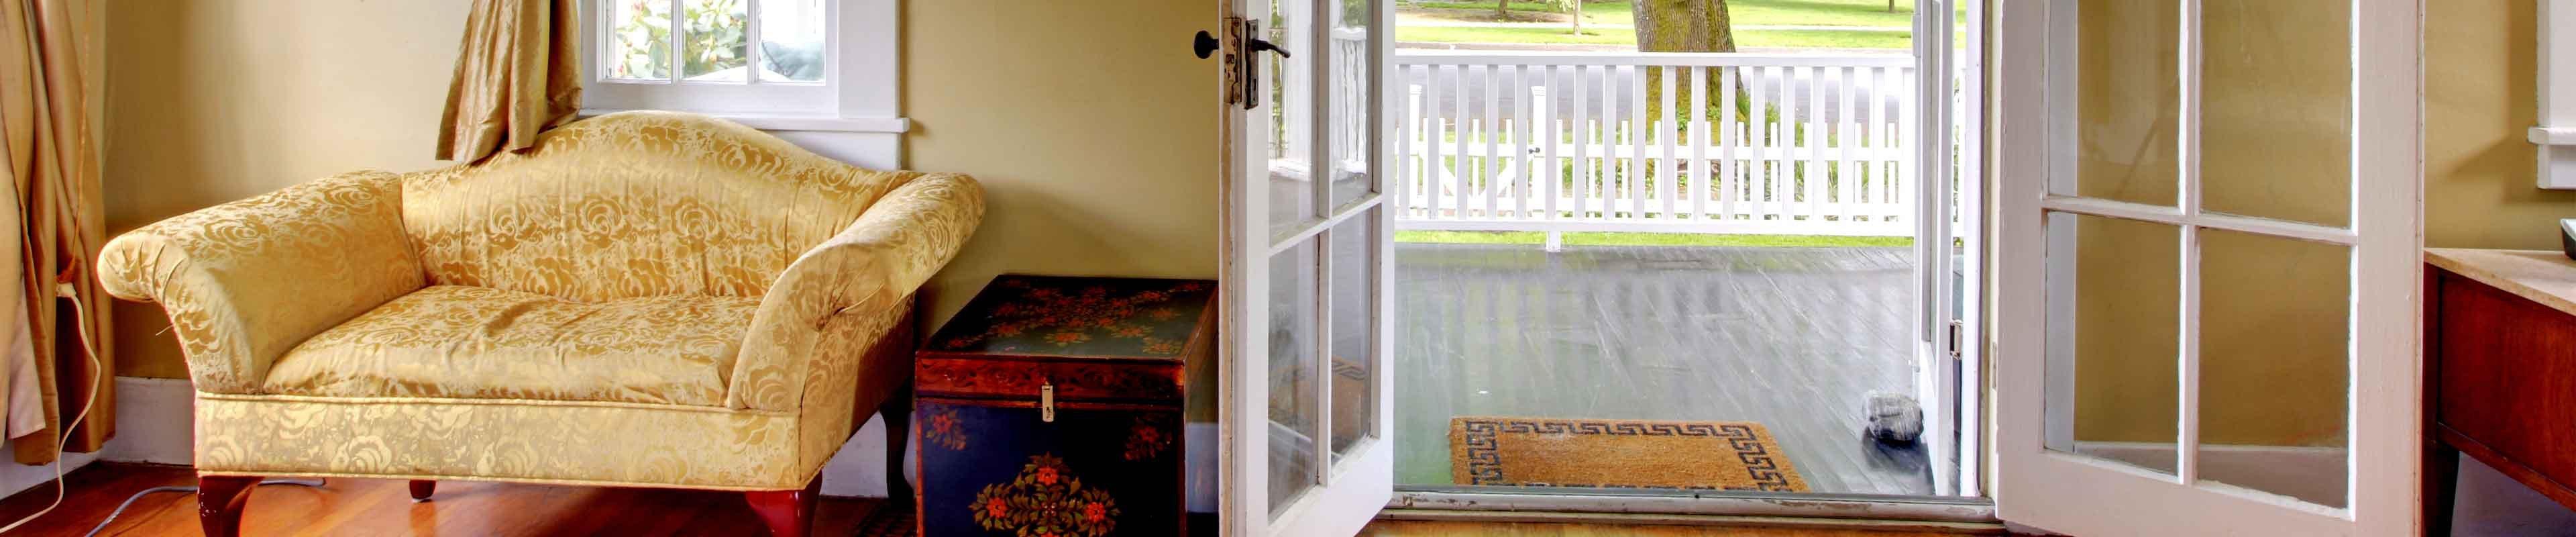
(384, 507)
(1794, 338)
(1418, 528)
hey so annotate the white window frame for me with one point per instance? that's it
(2556, 133)
(858, 92)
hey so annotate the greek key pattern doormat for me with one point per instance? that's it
(1560, 452)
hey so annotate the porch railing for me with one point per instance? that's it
(1720, 143)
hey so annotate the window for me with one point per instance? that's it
(2556, 133)
(796, 61)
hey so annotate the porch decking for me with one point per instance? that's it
(1794, 338)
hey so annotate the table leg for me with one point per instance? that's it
(2441, 486)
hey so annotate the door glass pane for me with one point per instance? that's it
(1292, 125)
(2113, 290)
(1292, 374)
(2127, 98)
(641, 48)
(1350, 103)
(2276, 109)
(1354, 330)
(711, 46)
(791, 40)
(2275, 365)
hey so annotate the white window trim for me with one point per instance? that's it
(2556, 134)
(860, 93)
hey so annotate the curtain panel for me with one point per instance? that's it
(517, 74)
(50, 95)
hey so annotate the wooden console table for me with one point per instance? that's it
(2499, 371)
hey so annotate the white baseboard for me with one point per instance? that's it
(156, 424)
(152, 425)
(19, 477)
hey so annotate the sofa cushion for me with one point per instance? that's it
(465, 342)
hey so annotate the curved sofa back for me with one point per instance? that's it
(635, 204)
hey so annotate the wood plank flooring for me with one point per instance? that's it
(1794, 338)
(383, 507)
(1418, 528)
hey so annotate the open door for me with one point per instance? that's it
(2208, 223)
(1303, 377)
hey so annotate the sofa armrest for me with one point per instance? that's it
(246, 281)
(871, 266)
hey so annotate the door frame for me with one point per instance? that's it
(1957, 419)
(2063, 492)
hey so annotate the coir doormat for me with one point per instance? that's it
(1559, 452)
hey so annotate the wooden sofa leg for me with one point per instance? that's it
(789, 513)
(220, 499)
(422, 488)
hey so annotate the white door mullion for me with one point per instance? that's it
(678, 34)
(2187, 359)
(751, 42)
(2187, 184)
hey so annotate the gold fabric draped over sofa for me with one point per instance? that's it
(645, 299)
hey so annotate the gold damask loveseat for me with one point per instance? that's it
(645, 299)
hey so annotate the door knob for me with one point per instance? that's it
(1257, 45)
(1204, 44)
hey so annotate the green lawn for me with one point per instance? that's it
(1825, 12)
(1622, 36)
(1645, 239)
(1745, 12)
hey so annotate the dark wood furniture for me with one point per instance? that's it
(1052, 405)
(2499, 372)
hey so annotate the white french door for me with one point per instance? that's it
(2207, 265)
(1304, 388)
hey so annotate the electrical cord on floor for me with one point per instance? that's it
(138, 495)
(80, 315)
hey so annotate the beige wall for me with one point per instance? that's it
(1090, 125)
(215, 100)
(2479, 90)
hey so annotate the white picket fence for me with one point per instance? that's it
(1558, 141)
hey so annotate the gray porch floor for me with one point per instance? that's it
(1794, 338)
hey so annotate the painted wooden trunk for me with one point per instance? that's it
(1052, 406)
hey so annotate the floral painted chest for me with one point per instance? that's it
(1051, 406)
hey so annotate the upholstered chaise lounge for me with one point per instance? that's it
(643, 300)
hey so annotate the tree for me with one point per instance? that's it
(1572, 7)
(1683, 26)
(1680, 26)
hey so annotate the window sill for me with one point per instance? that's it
(803, 123)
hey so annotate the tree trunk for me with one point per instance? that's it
(1578, 17)
(1503, 10)
(1684, 26)
(1681, 26)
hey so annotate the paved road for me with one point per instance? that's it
(1443, 101)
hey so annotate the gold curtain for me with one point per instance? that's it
(50, 93)
(516, 75)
